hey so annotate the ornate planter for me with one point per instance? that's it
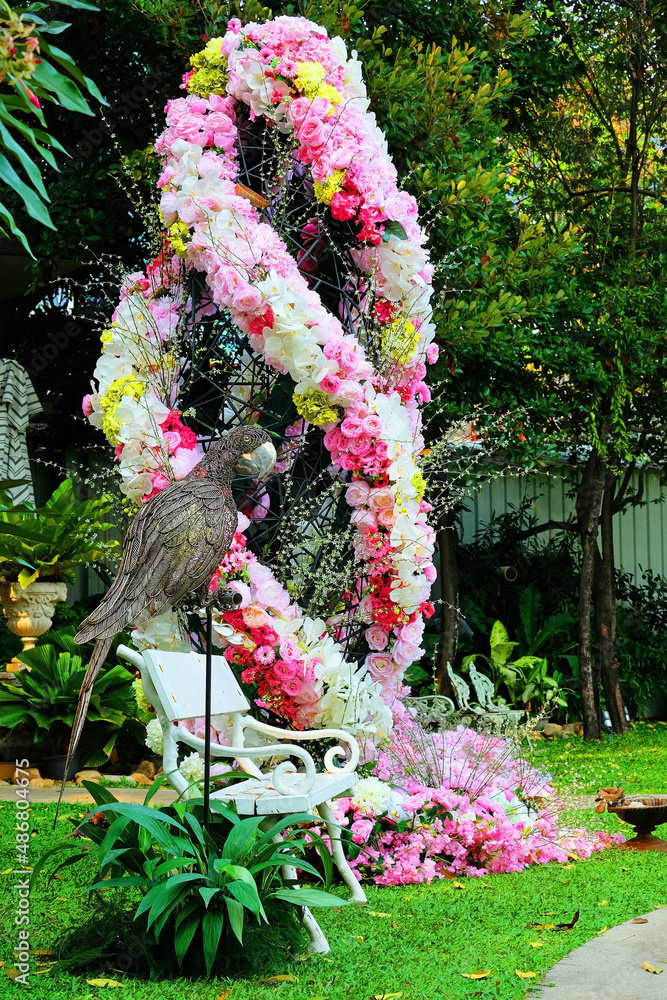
(29, 611)
(651, 812)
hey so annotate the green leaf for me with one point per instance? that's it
(25, 577)
(246, 894)
(207, 893)
(53, 27)
(8, 219)
(186, 927)
(393, 228)
(77, 4)
(242, 836)
(31, 169)
(65, 90)
(66, 60)
(236, 915)
(33, 203)
(212, 924)
(304, 896)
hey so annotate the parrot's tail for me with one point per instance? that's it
(96, 660)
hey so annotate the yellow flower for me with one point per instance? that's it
(139, 696)
(331, 94)
(333, 183)
(314, 407)
(309, 78)
(210, 70)
(107, 337)
(179, 237)
(111, 400)
(419, 484)
(400, 339)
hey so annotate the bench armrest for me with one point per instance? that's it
(315, 734)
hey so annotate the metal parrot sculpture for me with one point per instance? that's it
(172, 548)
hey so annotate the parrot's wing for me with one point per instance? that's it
(172, 547)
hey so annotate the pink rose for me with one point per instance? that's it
(308, 695)
(342, 156)
(285, 669)
(381, 499)
(432, 352)
(330, 383)
(218, 121)
(191, 128)
(364, 519)
(292, 687)
(159, 481)
(405, 653)
(350, 427)
(320, 107)
(333, 349)
(298, 110)
(386, 518)
(361, 830)
(173, 439)
(412, 632)
(312, 133)
(255, 617)
(87, 405)
(289, 648)
(366, 608)
(321, 168)
(381, 666)
(246, 298)
(373, 424)
(376, 637)
(430, 572)
(357, 493)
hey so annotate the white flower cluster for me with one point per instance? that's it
(192, 768)
(371, 796)
(154, 740)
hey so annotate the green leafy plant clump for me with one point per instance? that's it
(44, 699)
(198, 887)
(48, 542)
(524, 681)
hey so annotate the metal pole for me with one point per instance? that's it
(207, 720)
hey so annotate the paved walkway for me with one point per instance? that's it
(610, 966)
(162, 797)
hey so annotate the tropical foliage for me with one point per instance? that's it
(199, 887)
(48, 542)
(43, 700)
(31, 66)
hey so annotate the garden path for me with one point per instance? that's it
(610, 965)
(162, 797)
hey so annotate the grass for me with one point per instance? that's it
(637, 762)
(414, 940)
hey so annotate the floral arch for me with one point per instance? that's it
(293, 289)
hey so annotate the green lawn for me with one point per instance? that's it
(414, 940)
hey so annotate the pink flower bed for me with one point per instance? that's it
(491, 811)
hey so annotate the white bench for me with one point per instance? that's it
(174, 684)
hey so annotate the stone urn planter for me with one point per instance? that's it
(29, 611)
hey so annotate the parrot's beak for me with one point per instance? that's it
(257, 463)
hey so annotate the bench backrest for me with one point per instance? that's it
(179, 680)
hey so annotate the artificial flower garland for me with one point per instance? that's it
(304, 85)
